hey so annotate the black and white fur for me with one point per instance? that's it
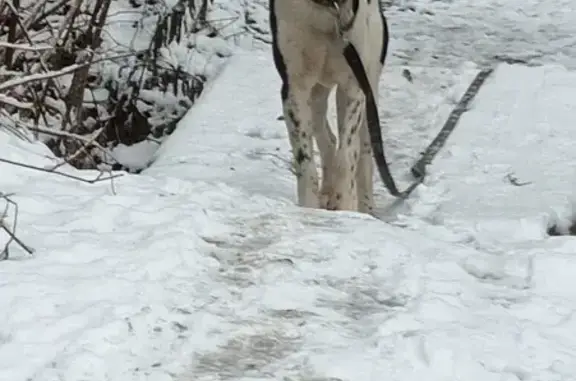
(308, 44)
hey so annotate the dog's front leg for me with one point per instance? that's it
(299, 118)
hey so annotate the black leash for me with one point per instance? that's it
(418, 170)
(372, 119)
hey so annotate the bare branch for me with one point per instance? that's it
(512, 179)
(97, 179)
(30, 48)
(16, 103)
(5, 253)
(57, 73)
(87, 140)
(16, 16)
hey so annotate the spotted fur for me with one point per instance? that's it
(307, 48)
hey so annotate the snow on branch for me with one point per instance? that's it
(67, 69)
(57, 73)
(27, 47)
(7, 100)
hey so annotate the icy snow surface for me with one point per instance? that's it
(202, 268)
(448, 32)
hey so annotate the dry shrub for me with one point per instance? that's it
(55, 75)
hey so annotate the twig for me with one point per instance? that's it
(89, 140)
(97, 179)
(30, 48)
(4, 99)
(57, 73)
(101, 122)
(35, 15)
(28, 22)
(4, 254)
(13, 128)
(68, 22)
(514, 180)
(288, 163)
(16, 16)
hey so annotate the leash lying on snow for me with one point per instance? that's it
(419, 169)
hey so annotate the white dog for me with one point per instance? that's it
(309, 37)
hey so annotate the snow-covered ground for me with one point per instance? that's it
(446, 32)
(201, 268)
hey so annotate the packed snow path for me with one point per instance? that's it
(517, 311)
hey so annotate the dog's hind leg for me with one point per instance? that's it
(365, 171)
(340, 192)
(373, 64)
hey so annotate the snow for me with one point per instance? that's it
(135, 156)
(201, 268)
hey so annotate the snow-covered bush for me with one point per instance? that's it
(86, 76)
